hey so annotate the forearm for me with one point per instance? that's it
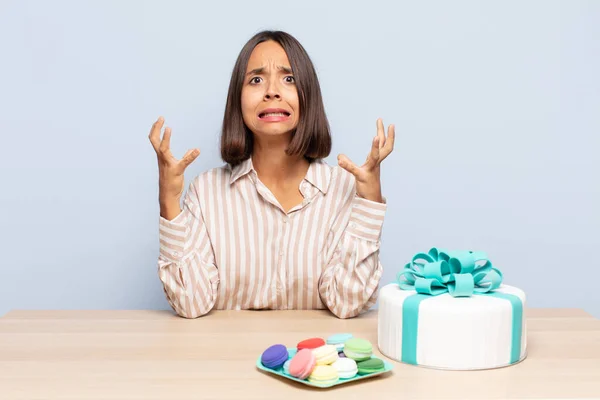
(187, 266)
(349, 283)
(348, 286)
(372, 193)
(170, 207)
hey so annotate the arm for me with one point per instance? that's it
(348, 285)
(186, 263)
(350, 281)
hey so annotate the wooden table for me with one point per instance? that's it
(158, 355)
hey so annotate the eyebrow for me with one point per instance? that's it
(259, 71)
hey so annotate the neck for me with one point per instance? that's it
(273, 166)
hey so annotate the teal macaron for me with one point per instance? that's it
(339, 339)
(286, 367)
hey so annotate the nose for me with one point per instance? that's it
(272, 92)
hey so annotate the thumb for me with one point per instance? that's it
(347, 164)
(189, 157)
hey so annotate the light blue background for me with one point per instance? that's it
(496, 106)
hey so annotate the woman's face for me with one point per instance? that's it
(269, 96)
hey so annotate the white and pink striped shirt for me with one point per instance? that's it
(234, 247)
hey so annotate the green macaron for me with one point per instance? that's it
(370, 366)
(358, 349)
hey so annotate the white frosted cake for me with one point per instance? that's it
(449, 310)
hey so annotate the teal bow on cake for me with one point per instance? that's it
(459, 273)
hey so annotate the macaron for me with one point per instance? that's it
(358, 349)
(286, 367)
(323, 375)
(326, 354)
(302, 364)
(311, 343)
(275, 356)
(339, 339)
(346, 368)
(370, 366)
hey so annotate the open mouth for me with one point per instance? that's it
(265, 115)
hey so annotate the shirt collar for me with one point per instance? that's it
(318, 174)
(240, 170)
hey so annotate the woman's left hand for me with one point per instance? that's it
(368, 183)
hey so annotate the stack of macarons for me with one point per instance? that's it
(361, 351)
(324, 362)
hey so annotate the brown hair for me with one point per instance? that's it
(311, 138)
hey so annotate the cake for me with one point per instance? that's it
(450, 310)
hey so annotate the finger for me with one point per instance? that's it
(347, 164)
(380, 132)
(165, 144)
(389, 143)
(373, 157)
(189, 157)
(155, 133)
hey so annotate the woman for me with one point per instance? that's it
(276, 227)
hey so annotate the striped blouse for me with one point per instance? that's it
(234, 247)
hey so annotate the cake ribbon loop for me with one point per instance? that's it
(461, 273)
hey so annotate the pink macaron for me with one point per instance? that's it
(302, 364)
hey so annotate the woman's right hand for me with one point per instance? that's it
(170, 170)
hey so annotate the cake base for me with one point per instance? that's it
(443, 332)
(460, 369)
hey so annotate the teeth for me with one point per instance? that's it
(274, 115)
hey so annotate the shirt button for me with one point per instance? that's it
(285, 220)
(175, 254)
(281, 253)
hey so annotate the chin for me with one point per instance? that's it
(273, 130)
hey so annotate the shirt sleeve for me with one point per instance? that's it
(349, 283)
(186, 262)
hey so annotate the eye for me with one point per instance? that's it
(290, 79)
(253, 80)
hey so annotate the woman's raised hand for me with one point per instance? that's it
(171, 180)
